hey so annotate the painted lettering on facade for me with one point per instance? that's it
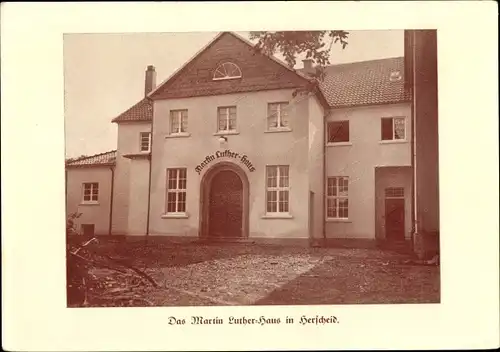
(225, 154)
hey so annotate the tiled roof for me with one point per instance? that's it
(259, 72)
(364, 83)
(352, 84)
(107, 158)
(142, 111)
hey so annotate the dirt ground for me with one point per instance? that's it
(249, 274)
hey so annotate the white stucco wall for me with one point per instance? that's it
(302, 149)
(98, 213)
(128, 143)
(358, 161)
(316, 166)
(138, 200)
(262, 148)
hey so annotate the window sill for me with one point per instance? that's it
(337, 220)
(277, 216)
(278, 129)
(226, 133)
(393, 141)
(175, 216)
(178, 135)
(89, 203)
(339, 144)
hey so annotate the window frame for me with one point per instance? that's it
(179, 119)
(278, 189)
(337, 198)
(227, 117)
(393, 124)
(394, 193)
(176, 190)
(83, 226)
(328, 142)
(279, 109)
(141, 134)
(93, 185)
(223, 64)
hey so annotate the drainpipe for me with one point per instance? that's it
(149, 182)
(414, 144)
(111, 200)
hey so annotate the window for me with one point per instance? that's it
(278, 189)
(227, 119)
(176, 190)
(395, 192)
(88, 230)
(338, 131)
(337, 197)
(395, 76)
(393, 128)
(145, 141)
(227, 70)
(178, 121)
(90, 192)
(277, 115)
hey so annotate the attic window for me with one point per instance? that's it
(395, 76)
(227, 70)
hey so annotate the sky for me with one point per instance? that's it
(104, 74)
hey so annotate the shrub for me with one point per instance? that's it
(71, 228)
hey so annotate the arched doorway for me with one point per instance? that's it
(224, 208)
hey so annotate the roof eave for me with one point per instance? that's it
(400, 101)
(321, 97)
(138, 155)
(83, 166)
(117, 121)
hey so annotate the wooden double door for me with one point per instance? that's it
(225, 205)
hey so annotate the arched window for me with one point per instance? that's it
(227, 70)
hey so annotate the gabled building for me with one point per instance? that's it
(235, 145)
(89, 191)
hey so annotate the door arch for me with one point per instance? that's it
(224, 193)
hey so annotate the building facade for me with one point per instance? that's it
(236, 145)
(421, 67)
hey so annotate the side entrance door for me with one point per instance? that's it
(394, 215)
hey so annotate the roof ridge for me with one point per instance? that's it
(92, 156)
(183, 66)
(212, 42)
(365, 61)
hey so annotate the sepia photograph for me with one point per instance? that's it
(182, 176)
(252, 168)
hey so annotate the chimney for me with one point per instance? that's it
(150, 80)
(308, 65)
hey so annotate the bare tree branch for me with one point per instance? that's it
(139, 272)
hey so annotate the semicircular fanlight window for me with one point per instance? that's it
(227, 70)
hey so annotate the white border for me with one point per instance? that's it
(33, 275)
